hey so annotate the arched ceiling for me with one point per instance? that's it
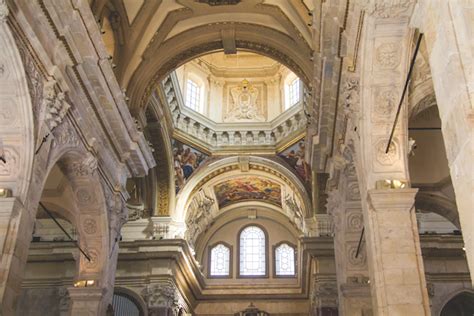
(155, 36)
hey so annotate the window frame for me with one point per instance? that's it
(198, 96)
(209, 259)
(295, 249)
(297, 94)
(266, 275)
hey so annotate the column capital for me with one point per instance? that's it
(392, 198)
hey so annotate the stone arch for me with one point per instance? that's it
(438, 204)
(449, 297)
(207, 39)
(90, 211)
(228, 168)
(16, 119)
(136, 298)
(17, 148)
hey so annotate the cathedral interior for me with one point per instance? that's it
(236, 157)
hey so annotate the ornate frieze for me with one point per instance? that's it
(390, 8)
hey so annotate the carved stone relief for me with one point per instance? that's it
(162, 297)
(387, 55)
(94, 256)
(388, 158)
(356, 262)
(89, 225)
(8, 112)
(199, 216)
(85, 196)
(385, 103)
(9, 169)
(390, 8)
(86, 167)
(354, 221)
(353, 192)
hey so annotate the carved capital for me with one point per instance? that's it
(163, 296)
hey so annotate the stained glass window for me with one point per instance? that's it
(252, 252)
(220, 260)
(293, 93)
(193, 95)
(284, 260)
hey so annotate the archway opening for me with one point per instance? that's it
(460, 305)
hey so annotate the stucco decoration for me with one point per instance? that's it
(245, 103)
(163, 298)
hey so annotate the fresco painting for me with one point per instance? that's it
(295, 157)
(247, 189)
(186, 160)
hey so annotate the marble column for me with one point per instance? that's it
(86, 301)
(447, 28)
(352, 272)
(397, 274)
(16, 227)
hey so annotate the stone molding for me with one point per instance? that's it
(392, 199)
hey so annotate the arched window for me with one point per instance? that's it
(284, 260)
(220, 261)
(193, 95)
(252, 244)
(125, 305)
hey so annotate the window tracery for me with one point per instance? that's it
(220, 260)
(252, 252)
(284, 260)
